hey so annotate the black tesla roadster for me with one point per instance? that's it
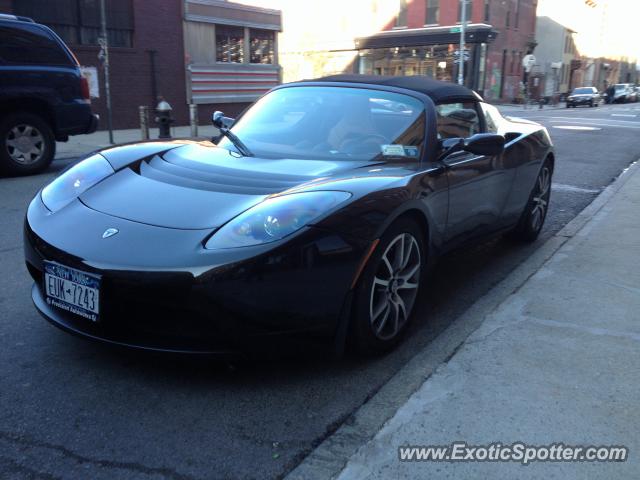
(315, 215)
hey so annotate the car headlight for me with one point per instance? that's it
(79, 178)
(275, 218)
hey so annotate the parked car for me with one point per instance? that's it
(315, 216)
(43, 96)
(623, 93)
(587, 96)
(633, 93)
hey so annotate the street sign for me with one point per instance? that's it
(456, 55)
(454, 30)
(528, 62)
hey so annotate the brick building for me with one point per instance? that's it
(423, 38)
(208, 52)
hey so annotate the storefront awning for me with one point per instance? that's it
(412, 37)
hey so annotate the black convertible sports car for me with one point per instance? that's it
(316, 215)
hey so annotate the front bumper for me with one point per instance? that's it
(295, 291)
(580, 101)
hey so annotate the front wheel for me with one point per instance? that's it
(388, 288)
(27, 144)
(535, 212)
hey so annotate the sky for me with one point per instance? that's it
(608, 30)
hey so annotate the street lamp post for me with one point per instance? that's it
(104, 43)
(463, 21)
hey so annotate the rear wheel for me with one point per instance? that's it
(535, 212)
(27, 144)
(388, 288)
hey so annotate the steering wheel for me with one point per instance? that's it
(364, 143)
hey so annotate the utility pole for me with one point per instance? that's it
(463, 21)
(104, 43)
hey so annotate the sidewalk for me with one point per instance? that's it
(510, 107)
(557, 361)
(83, 144)
(554, 358)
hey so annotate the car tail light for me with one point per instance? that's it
(84, 89)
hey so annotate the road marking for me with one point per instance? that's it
(575, 127)
(561, 187)
(595, 119)
(632, 115)
(616, 125)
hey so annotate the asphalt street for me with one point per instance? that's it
(73, 409)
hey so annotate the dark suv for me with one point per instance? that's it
(43, 96)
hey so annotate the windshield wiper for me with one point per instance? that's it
(242, 148)
(220, 122)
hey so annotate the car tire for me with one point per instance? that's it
(27, 144)
(388, 287)
(535, 212)
(591, 104)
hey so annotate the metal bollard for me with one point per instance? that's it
(144, 121)
(193, 119)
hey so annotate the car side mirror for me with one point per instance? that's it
(220, 121)
(479, 144)
(484, 144)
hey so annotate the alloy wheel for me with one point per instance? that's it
(25, 144)
(541, 198)
(395, 286)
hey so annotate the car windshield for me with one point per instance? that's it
(337, 123)
(621, 87)
(582, 91)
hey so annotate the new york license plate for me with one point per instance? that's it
(72, 290)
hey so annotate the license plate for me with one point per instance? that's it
(72, 290)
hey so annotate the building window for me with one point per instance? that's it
(468, 10)
(78, 22)
(487, 8)
(229, 44)
(517, 19)
(262, 46)
(401, 20)
(433, 12)
(513, 61)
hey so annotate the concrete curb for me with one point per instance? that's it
(329, 458)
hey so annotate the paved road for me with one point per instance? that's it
(71, 409)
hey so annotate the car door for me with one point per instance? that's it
(478, 184)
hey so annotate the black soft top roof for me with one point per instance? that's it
(439, 92)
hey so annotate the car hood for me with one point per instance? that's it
(203, 187)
